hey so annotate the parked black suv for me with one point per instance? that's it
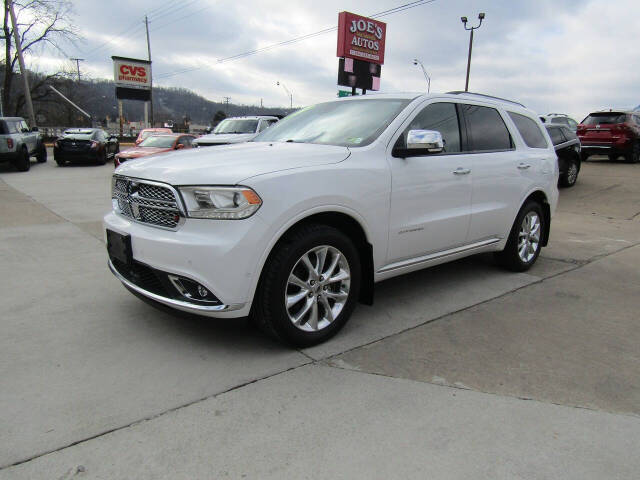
(568, 149)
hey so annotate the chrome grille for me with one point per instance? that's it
(145, 202)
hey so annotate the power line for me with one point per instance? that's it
(384, 13)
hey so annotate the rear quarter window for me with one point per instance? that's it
(530, 131)
(556, 135)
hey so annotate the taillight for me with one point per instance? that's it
(94, 144)
(10, 143)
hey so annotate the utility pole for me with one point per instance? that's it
(464, 21)
(226, 102)
(146, 24)
(23, 70)
(77, 60)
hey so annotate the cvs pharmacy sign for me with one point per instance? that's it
(131, 73)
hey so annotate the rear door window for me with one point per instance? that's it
(486, 129)
(530, 131)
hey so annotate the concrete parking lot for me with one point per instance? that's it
(460, 371)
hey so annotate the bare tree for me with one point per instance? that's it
(41, 23)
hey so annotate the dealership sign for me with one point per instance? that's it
(361, 38)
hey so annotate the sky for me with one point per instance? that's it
(564, 56)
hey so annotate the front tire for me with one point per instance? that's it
(525, 239)
(309, 286)
(23, 162)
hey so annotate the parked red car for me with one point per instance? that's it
(612, 133)
(155, 144)
(147, 132)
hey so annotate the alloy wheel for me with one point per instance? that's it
(317, 288)
(572, 173)
(529, 237)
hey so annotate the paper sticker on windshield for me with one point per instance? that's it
(355, 140)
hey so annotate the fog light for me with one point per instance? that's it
(202, 291)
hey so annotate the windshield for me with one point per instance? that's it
(601, 118)
(158, 141)
(236, 126)
(352, 123)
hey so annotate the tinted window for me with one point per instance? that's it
(530, 131)
(487, 130)
(605, 117)
(556, 135)
(441, 117)
(561, 120)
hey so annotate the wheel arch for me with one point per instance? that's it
(349, 225)
(540, 197)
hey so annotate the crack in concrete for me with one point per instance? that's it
(151, 417)
(470, 389)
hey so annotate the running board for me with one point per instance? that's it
(433, 256)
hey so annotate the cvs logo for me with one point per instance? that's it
(132, 71)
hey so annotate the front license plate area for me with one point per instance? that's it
(119, 247)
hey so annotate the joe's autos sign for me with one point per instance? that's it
(361, 38)
(131, 73)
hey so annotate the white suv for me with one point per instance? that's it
(295, 227)
(235, 130)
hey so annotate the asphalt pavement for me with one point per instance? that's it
(460, 371)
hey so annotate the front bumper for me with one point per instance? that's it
(221, 255)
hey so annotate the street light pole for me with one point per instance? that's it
(288, 93)
(464, 22)
(427, 77)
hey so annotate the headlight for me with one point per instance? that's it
(222, 203)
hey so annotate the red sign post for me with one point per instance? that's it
(361, 38)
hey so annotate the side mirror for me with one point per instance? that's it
(179, 146)
(420, 142)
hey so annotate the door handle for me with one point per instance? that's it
(461, 171)
(524, 166)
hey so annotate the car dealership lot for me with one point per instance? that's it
(463, 370)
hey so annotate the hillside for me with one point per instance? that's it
(97, 97)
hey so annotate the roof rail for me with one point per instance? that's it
(462, 92)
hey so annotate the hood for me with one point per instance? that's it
(141, 152)
(230, 164)
(225, 138)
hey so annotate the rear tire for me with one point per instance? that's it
(525, 239)
(23, 162)
(309, 286)
(570, 176)
(634, 155)
(60, 163)
(41, 156)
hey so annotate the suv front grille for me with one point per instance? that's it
(145, 202)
